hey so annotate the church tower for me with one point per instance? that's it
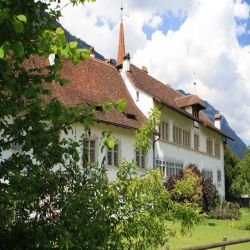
(121, 46)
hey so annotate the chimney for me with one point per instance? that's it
(145, 69)
(217, 121)
(92, 52)
(108, 61)
(126, 62)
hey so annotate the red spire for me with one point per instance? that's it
(121, 46)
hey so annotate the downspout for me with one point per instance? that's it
(154, 141)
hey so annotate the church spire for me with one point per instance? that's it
(121, 46)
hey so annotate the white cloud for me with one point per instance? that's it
(206, 43)
(241, 9)
(155, 22)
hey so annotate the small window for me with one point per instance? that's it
(137, 96)
(209, 147)
(219, 176)
(196, 142)
(140, 159)
(164, 130)
(186, 138)
(217, 150)
(113, 155)
(195, 111)
(208, 174)
(177, 135)
(89, 154)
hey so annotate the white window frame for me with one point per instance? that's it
(140, 159)
(113, 151)
(169, 168)
(91, 150)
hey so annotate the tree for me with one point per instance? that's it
(191, 187)
(50, 198)
(241, 183)
(231, 171)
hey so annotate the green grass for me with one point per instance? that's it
(213, 231)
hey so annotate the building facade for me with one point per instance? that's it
(185, 134)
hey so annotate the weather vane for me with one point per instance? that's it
(121, 11)
(194, 84)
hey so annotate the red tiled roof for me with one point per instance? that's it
(165, 95)
(94, 82)
(189, 100)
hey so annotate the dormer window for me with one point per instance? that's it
(195, 111)
(191, 104)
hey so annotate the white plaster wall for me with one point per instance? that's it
(167, 150)
(125, 139)
(145, 103)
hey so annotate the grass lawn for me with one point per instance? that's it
(213, 231)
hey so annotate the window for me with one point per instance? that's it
(186, 138)
(209, 147)
(89, 151)
(113, 155)
(162, 166)
(164, 130)
(140, 159)
(218, 176)
(177, 135)
(195, 112)
(217, 150)
(173, 169)
(168, 168)
(16, 146)
(207, 174)
(196, 142)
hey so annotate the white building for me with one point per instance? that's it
(186, 135)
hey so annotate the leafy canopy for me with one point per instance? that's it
(50, 198)
(241, 184)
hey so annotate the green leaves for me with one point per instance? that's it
(22, 18)
(143, 136)
(19, 49)
(59, 31)
(18, 23)
(18, 26)
(1, 52)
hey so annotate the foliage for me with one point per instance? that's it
(186, 187)
(49, 197)
(229, 211)
(146, 205)
(211, 197)
(231, 171)
(143, 136)
(197, 190)
(241, 183)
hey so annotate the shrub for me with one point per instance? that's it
(229, 211)
(186, 187)
(202, 194)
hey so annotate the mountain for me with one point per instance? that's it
(237, 146)
(81, 44)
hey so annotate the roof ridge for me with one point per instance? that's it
(165, 84)
(189, 95)
(103, 62)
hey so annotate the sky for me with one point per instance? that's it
(180, 42)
